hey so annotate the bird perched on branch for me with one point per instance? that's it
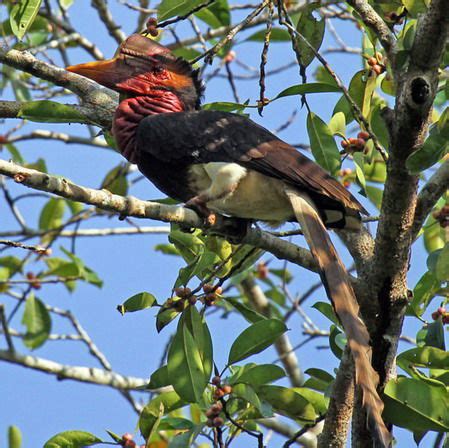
(223, 162)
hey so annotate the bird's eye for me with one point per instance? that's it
(158, 69)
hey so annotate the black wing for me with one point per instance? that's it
(185, 138)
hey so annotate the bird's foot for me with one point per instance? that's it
(198, 204)
(234, 229)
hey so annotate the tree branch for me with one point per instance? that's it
(131, 206)
(370, 18)
(339, 412)
(83, 374)
(106, 17)
(435, 187)
(89, 115)
(103, 100)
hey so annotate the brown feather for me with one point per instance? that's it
(339, 289)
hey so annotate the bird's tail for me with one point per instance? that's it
(339, 290)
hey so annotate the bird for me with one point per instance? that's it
(223, 162)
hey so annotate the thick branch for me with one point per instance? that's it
(88, 115)
(131, 206)
(104, 100)
(65, 372)
(435, 187)
(416, 90)
(339, 412)
(106, 17)
(376, 23)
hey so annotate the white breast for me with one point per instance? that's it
(237, 191)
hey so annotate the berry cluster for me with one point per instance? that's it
(35, 283)
(213, 413)
(358, 144)
(152, 27)
(262, 270)
(442, 216)
(395, 18)
(346, 174)
(211, 294)
(220, 390)
(376, 64)
(128, 442)
(213, 416)
(184, 297)
(443, 313)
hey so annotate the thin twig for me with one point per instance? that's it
(38, 249)
(209, 54)
(5, 327)
(357, 112)
(184, 16)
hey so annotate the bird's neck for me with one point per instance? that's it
(131, 111)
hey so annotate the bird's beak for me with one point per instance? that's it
(108, 73)
(137, 55)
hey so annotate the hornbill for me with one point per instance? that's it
(224, 162)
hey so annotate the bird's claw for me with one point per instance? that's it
(198, 204)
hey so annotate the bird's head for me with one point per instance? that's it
(141, 66)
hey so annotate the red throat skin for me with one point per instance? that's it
(132, 111)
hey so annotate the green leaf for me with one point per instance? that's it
(37, 321)
(171, 8)
(415, 7)
(326, 309)
(250, 315)
(152, 412)
(433, 150)
(434, 236)
(22, 16)
(356, 90)
(311, 87)
(115, 180)
(216, 15)
(247, 393)
(312, 30)
(337, 341)
(61, 268)
(424, 291)
(416, 405)
(85, 272)
(319, 379)
(277, 35)
(51, 215)
(14, 437)
(442, 265)
(50, 112)
(337, 125)
(255, 338)
(322, 143)
(434, 335)
(159, 378)
(379, 126)
(14, 264)
(115, 437)
(427, 357)
(257, 375)
(375, 195)
(137, 302)
(287, 401)
(72, 439)
(190, 356)
(164, 317)
(225, 106)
